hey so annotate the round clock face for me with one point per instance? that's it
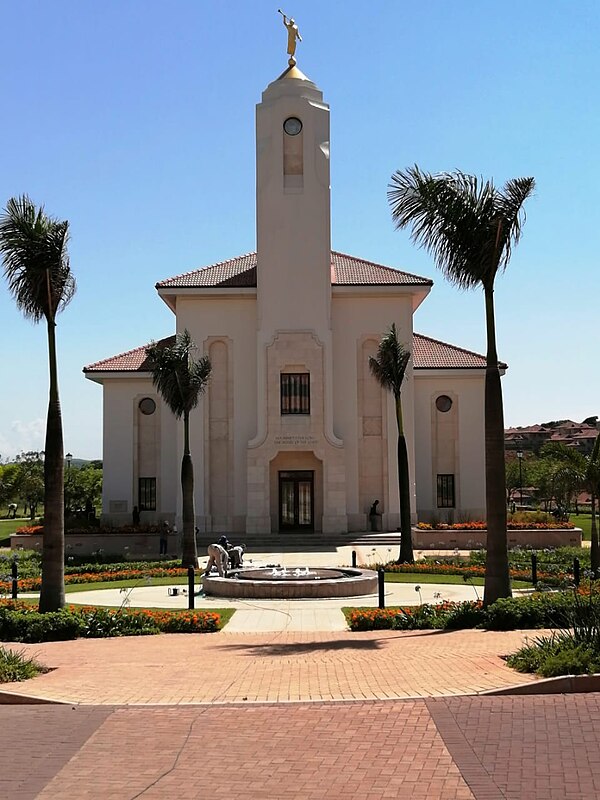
(292, 126)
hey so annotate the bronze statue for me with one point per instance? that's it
(293, 36)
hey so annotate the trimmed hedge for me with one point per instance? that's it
(20, 622)
(542, 610)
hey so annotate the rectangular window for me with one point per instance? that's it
(445, 491)
(295, 393)
(147, 494)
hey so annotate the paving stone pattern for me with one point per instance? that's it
(462, 748)
(233, 668)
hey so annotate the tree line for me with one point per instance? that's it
(22, 485)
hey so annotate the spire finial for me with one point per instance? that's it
(293, 37)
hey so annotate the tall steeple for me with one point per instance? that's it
(293, 206)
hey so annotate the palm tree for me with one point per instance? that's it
(36, 266)
(389, 368)
(180, 380)
(470, 228)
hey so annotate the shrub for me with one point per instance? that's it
(21, 622)
(372, 619)
(424, 617)
(467, 614)
(555, 655)
(15, 666)
(548, 610)
(570, 659)
(187, 621)
(31, 626)
(101, 623)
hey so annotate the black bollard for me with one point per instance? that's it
(576, 571)
(534, 568)
(191, 573)
(15, 580)
(381, 585)
(354, 559)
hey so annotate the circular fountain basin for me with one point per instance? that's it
(280, 584)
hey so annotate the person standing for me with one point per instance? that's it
(164, 538)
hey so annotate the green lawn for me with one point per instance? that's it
(583, 521)
(413, 577)
(126, 584)
(8, 526)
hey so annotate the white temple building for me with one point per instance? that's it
(293, 432)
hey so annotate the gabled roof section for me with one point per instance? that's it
(430, 353)
(134, 360)
(236, 272)
(240, 272)
(427, 354)
(352, 271)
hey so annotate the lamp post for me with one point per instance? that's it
(520, 457)
(67, 499)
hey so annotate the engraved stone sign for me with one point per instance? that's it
(295, 439)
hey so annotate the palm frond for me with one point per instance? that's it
(389, 366)
(466, 224)
(510, 203)
(36, 261)
(179, 378)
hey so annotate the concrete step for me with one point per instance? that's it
(278, 541)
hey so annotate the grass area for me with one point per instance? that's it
(8, 526)
(412, 577)
(583, 521)
(125, 584)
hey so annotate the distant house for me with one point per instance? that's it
(580, 436)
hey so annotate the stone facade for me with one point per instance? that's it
(295, 311)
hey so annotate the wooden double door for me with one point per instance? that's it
(296, 500)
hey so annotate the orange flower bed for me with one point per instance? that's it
(34, 584)
(479, 525)
(166, 621)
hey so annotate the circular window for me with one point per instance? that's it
(292, 126)
(443, 403)
(147, 406)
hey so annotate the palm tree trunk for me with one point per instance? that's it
(406, 548)
(595, 549)
(497, 580)
(52, 594)
(189, 555)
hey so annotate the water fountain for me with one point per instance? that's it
(280, 583)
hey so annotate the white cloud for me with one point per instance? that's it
(21, 437)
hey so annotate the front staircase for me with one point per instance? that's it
(303, 540)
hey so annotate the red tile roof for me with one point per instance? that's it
(132, 361)
(351, 271)
(427, 354)
(432, 354)
(240, 272)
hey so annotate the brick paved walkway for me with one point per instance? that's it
(460, 748)
(276, 667)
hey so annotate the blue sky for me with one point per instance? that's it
(135, 121)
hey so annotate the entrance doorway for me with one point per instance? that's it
(296, 500)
